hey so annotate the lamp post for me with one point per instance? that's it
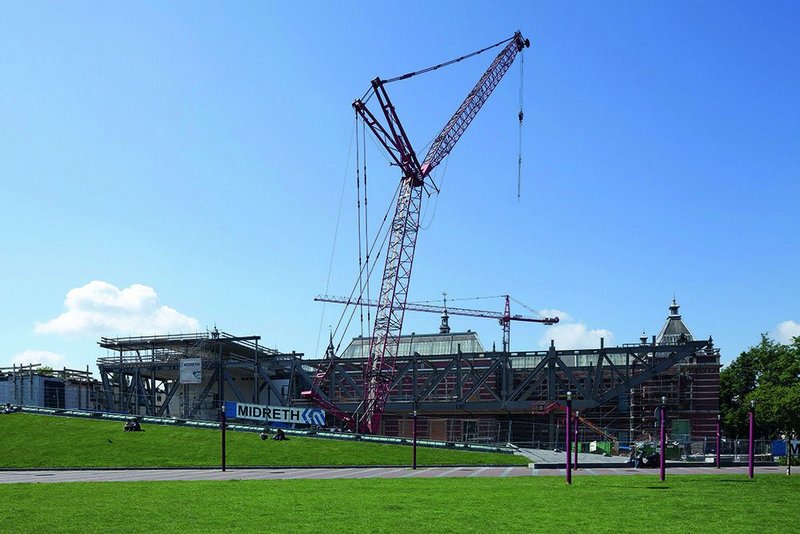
(663, 454)
(568, 439)
(719, 438)
(751, 441)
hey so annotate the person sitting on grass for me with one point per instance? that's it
(264, 433)
(132, 426)
(279, 435)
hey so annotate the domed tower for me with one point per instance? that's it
(674, 330)
(691, 387)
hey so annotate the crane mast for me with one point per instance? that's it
(405, 224)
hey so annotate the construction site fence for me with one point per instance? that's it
(685, 447)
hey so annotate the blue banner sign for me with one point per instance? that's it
(282, 414)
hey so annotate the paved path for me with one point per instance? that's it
(133, 475)
(540, 456)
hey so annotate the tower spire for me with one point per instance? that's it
(329, 352)
(673, 309)
(444, 328)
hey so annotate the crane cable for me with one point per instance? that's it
(521, 116)
(358, 209)
(422, 225)
(446, 63)
(371, 91)
(366, 222)
(336, 231)
(368, 274)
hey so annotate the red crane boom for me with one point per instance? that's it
(405, 224)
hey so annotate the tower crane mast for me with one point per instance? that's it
(405, 223)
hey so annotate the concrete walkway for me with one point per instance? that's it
(134, 475)
(540, 456)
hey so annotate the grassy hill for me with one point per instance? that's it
(51, 441)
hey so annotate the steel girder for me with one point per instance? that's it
(505, 382)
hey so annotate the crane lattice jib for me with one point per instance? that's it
(435, 308)
(455, 127)
(385, 339)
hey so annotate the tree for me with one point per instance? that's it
(769, 374)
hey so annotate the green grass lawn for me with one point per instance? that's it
(705, 503)
(50, 441)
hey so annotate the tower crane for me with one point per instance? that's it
(503, 318)
(405, 224)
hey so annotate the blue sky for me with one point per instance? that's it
(171, 166)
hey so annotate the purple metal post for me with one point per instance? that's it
(223, 425)
(414, 442)
(663, 455)
(577, 417)
(719, 439)
(751, 444)
(568, 438)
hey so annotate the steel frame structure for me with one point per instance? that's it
(502, 382)
(144, 377)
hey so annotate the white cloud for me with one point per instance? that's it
(50, 359)
(567, 335)
(100, 308)
(786, 330)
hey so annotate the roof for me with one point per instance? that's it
(422, 344)
(674, 328)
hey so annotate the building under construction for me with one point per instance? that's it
(148, 375)
(460, 391)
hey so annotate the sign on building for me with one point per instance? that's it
(191, 371)
(277, 414)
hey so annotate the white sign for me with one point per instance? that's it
(282, 414)
(191, 371)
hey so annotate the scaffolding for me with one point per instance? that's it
(143, 376)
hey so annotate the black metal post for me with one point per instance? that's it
(221, 396)
(414, 442)
(751, 441)
(719, 439)
(663, 455)
(577, 418)
(222, 426)
(568, 437)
